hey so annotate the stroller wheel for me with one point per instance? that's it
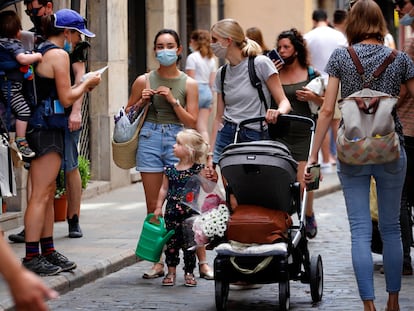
(221, 293)
(316, 278)
(284, 296)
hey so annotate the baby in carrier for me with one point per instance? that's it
(15, 63)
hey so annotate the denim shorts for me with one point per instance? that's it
(155, 147)
(225, 137)
(205, 96)
(44, 141)
(71, 150)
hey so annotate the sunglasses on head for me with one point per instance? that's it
(33, 11)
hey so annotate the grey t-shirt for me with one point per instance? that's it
(241, 99)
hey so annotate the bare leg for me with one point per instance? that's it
(152, 183)
(202, 123)
(73, 192)
(43, 175)
(369, 305)
(203, 267)
(392, 303)
(21, 127)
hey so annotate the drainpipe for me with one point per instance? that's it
(75, 5)
(183, 30)
(220, 9)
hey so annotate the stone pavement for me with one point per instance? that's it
(112, 221)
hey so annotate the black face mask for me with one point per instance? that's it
(289, 60)
(37, 22)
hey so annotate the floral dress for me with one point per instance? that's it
(176, 213)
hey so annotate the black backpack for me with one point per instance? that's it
(281, 128)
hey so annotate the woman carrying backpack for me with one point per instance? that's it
(365, 31)
(239, 100)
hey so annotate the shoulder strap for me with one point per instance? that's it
(390, 58)
(255, 81)
(223, 75)
(311, 73)
(46, 46)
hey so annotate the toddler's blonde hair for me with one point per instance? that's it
(195, 143)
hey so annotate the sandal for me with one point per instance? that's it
(207, 273)
(153, 274)
(169, 280)
(190, 280)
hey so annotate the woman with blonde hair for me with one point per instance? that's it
(365, 32)
(238, 99)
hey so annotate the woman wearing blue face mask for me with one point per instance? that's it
(174, 105)
(405, 10)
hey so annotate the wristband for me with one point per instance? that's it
(177, 103)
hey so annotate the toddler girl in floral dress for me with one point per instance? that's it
(191, 150)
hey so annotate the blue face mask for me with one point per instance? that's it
(67, 46)
(167, 57)
(407, 19)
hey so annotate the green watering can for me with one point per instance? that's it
(152, 240)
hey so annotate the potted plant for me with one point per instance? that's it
(60, 193)
(60, 203)
(84, 170)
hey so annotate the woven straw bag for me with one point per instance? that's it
(124, 154)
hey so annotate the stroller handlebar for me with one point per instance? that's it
(287, 117)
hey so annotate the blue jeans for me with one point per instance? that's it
(355, 180)
(70, 160)
(225, 137)
(155, 147)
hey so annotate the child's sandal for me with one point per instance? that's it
(169, 280)
(190, 280)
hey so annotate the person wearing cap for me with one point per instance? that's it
(35, 9)
(52, 84)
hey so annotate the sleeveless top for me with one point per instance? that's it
(161, 111)
(45, 87)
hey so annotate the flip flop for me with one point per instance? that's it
(169, 280)
(190, 280)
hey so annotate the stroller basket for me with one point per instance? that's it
(260, 173)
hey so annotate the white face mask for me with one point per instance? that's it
(219, 50)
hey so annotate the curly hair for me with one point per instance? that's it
(195, 144)
(299, 44)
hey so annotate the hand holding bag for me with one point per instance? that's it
(124, 146)
(317, 86)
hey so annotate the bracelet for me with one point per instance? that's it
(209, 154)
(177, 103)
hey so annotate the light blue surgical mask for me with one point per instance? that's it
(167, 57)
(191, 48)
(67, 46)
(407, 19)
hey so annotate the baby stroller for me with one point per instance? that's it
(263, 173)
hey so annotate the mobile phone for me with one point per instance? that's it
(274, 55)
(57, 107)
(315, 171)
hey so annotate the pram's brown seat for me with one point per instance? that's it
(260, 173)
